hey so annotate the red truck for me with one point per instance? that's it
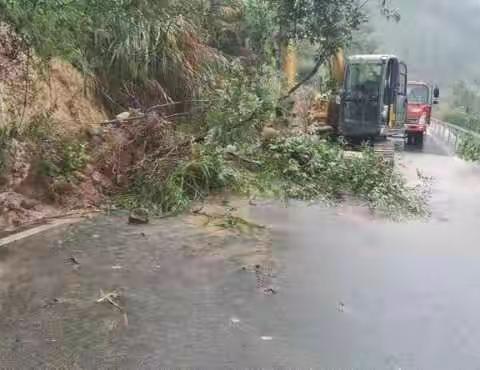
(421, 97)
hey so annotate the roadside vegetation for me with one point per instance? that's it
(463, 110)
(469, 148)
(463, 106)
(207, 105)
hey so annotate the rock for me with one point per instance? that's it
(73, 261)
(123, 116)
(28, 203)
(269, 134)
(270, 291)
(138, 216)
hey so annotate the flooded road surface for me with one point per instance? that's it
(352, 292)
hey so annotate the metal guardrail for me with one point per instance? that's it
(450, 134)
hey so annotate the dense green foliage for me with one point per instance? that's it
(228, 53)
(460, 118)
(465, 97)
(140, 50)
(469, 148)
(260, 25)
(463, 110)
(325, 23)
(309, 169)
(463, 106)
(298, 167)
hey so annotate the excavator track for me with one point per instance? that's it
(386, 149)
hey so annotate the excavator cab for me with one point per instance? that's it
(373, 100)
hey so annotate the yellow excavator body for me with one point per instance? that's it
(324, 109)
(337, 68)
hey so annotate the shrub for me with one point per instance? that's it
(462, 119)
(469, 148)
(192, 179)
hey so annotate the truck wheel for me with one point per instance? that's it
(419, 139)
(409, 139)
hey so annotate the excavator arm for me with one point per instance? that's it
(324, 110)
(337, 68)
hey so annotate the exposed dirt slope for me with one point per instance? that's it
(28, 90)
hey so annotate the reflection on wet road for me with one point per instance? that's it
(352, 292)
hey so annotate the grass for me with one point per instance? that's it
(143, 53)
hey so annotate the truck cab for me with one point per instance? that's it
(421, 97)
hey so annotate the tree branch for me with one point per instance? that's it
(312, 73)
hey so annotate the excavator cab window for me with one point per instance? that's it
(363, 78)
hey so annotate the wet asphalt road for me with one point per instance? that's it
(379, 295)
(352, 292)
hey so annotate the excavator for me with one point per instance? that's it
(370, 101)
